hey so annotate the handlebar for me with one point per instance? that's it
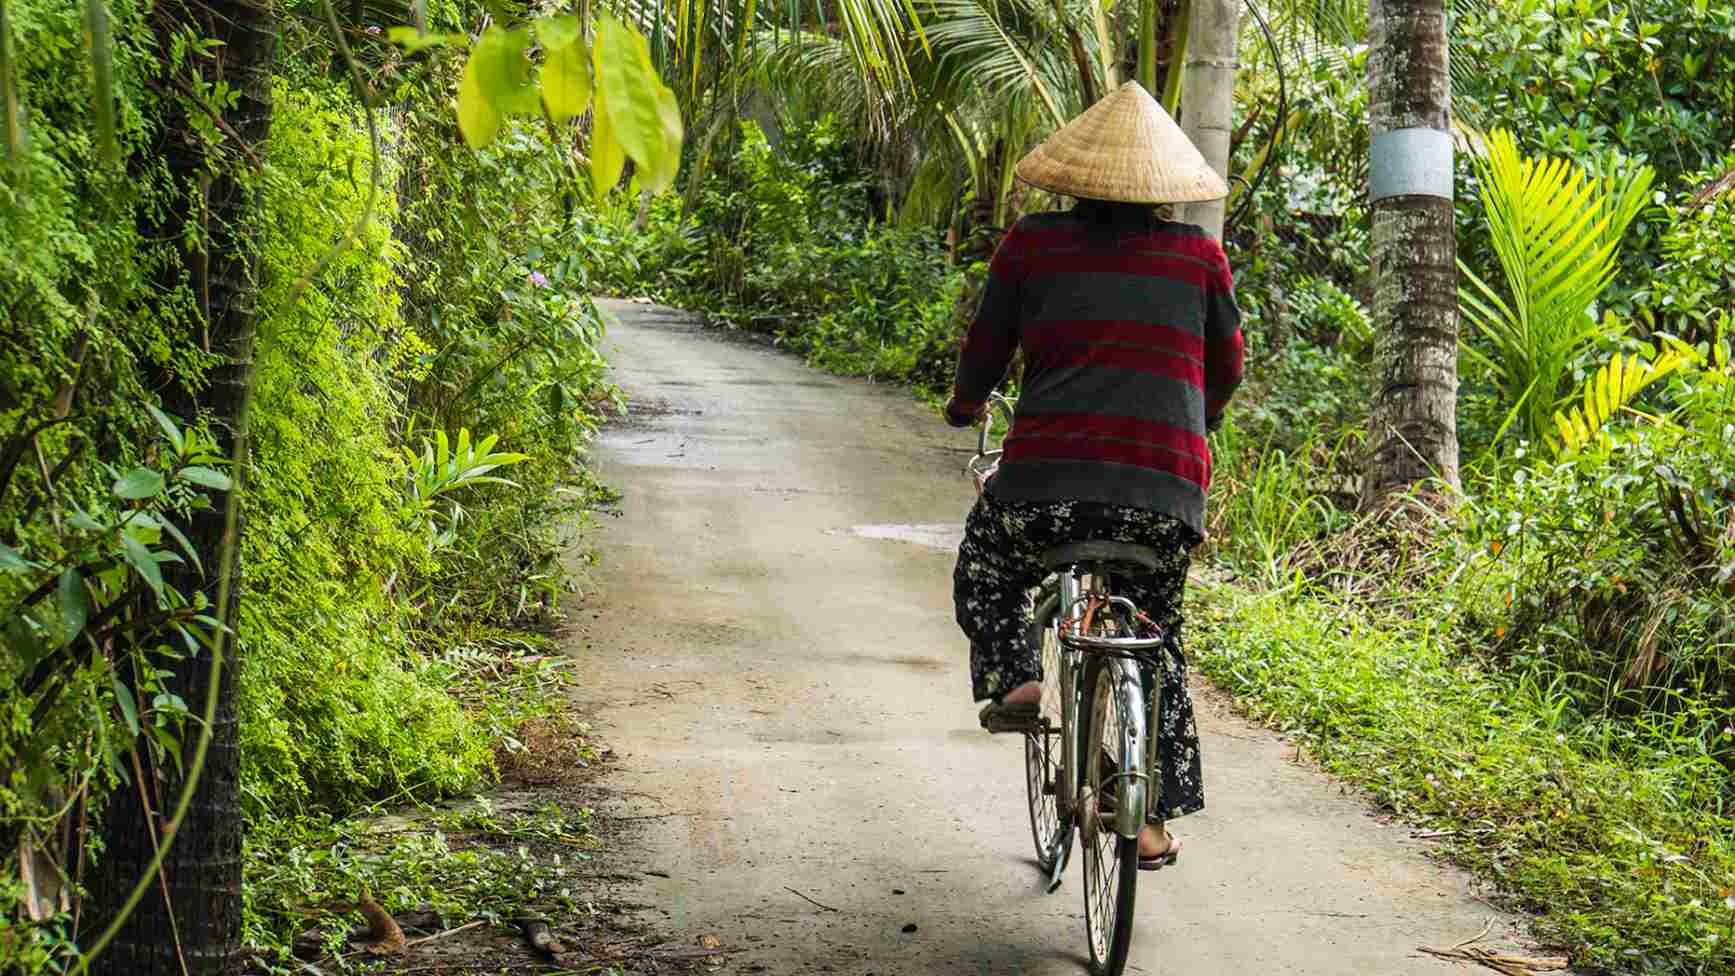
(1111, 644)
(1006, 406)
(983, 464)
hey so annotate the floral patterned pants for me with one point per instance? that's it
(999, 568)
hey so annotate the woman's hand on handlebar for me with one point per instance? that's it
(958, 416)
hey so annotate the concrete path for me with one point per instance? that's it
(769, 648)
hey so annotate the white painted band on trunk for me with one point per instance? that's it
(1410, 162)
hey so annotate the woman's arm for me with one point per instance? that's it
(992, 338)
(1223, 345)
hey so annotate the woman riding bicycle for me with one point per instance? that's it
(1132, 347)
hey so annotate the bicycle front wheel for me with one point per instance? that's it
(1042, 749)
(1111, 862)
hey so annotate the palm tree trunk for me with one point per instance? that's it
(1147, 71)
(1414, 430)
(1208, 96)
(1087, 87)
(203, 869)
(1172, 53)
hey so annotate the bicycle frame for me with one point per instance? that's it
(1079, 587)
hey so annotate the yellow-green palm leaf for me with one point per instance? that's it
(1606, 393)
(1555, 230)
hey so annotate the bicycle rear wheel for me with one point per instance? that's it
(1111, 862)
(1042, 750)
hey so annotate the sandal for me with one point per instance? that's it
(1156, 862)
(998, 716)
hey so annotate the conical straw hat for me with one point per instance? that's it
(1124, 148)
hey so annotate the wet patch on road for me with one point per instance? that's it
(911, 662)
(932, 535)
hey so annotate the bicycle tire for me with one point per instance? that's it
(1110, 863)
(1042, 766)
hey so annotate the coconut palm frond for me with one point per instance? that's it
(1321, 35)
(1317, 25)
(936, 184)
(876, 32)
(697, 42)
(809, 73)
(977, 46)
(1466, 64)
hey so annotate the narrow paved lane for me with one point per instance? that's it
(770, 650)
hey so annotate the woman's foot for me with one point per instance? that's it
(1157, 848)
(1017, 711)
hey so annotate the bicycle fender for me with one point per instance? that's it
(1129, 694)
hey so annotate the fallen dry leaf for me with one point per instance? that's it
(541, 937)
(1506, 964)
(384, 936)
(41, 879)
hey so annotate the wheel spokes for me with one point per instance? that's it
(1042, 759)
(1102, 844)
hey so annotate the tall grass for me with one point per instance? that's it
(1265, 500)
(1618, 835)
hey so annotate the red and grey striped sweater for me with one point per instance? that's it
(1131, 341)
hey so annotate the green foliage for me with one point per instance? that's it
(1654, 79)
(1616, 561)
(1585, 76)
(1692, 294)
(892, 315)
(495, 288)
(89, 616)
(444, 317)
(1329, 315)
(1551, 677)
(1615, 834)
(73, 288)
(1300, 245)
(1556, 231)
(96, 488)
(440, 470)
(780, 243)
(993, 49)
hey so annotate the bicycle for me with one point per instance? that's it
(1090, 761)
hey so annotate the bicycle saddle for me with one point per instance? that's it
(1123, 554)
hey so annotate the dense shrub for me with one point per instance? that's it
(496, 282)
(461, 307)
(1579, 80)
(89, 323)
(334, 704)
(1616, 565)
